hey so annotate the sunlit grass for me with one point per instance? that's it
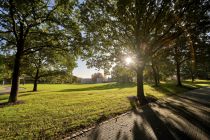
(198, 83)
(59, 108)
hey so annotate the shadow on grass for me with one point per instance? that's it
(197, 84)
(171, 89)
(134, 103)
(4, 98)
(21, 94)
(6, 104)
(102, 87)
(176, 118)
(173, 127)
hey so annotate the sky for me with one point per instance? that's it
(82, 71)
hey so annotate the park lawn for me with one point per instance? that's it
(57, 109)
(197, 83)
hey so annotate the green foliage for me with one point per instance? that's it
(6, 64)
(123, 74)
(97, 76)
(143, 29)
(29, 26)
(49, 65)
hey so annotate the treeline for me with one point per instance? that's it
(46, 37)
(165, 37)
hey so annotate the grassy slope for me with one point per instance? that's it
(60, 108)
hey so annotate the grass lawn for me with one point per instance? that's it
(59, 108)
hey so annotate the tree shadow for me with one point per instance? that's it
(151, 124)
(179, 117)
(102, 87)
(195, 121)
(6, 104)
(197, 84)
(21, 94)
(200, 96)
(184, 112)
(170, 89)
(149, 120)
(163, 128)
(95, 134)
(134, 103)
(3, 98)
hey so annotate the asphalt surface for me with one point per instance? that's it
(182, 117)
(5, 90)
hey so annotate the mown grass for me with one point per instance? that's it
(59, 108)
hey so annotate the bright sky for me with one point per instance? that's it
(82, 71)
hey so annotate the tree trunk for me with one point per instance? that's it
(155, 75)
(36, 80)
(140, 87)
(158, 75)
(179, 83)
(15, 78)
(192, 77)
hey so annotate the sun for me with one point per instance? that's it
(128, 60)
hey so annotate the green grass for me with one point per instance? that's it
(197, 83)
(59, 108)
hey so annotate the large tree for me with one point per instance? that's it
(6, 65)
(21, 20)
(141, 28)
(180, 53)
(120, 73)
(47, 63)
(96, 76)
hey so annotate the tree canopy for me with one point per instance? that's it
(140, 29)
(25, 25)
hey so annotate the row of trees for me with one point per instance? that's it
(44, 65)
(39, 34)
(106, 32)
(147, 31)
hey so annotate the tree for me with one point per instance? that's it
(1, 68)
(47, 63)
(180, 53)
(155, 70)
(22, 20)
(6, 65)
(122, 74)
(75, 79)
(97, 76)
(141, 28)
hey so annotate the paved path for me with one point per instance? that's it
(184, 117)
(5, 90)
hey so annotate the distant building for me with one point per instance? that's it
(107, 80)
(86, 81)
(99, 80)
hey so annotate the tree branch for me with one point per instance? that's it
(11, 8)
